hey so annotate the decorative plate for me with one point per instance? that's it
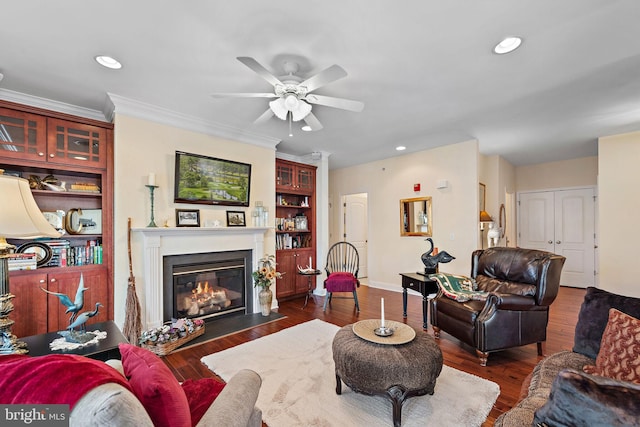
(43, 252)
(402, 333)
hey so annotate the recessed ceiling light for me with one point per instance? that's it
(401, 148)
(306, 128)
(509, 44)
(109, 62)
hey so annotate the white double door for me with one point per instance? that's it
(562, 222)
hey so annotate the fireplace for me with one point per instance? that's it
(207, 285)
(161, 242)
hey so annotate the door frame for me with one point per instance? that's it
(343, 221)
(596, 256)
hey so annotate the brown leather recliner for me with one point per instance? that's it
(522, 284)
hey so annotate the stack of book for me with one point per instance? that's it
(22, 261)
(59, 249)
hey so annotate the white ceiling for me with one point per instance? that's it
(423, 68)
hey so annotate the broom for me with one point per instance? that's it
(132, 322)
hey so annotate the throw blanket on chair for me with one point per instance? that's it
(458, 288)
(53, 379)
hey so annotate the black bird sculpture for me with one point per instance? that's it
(83, 317)
(431, 261)
(75, 306)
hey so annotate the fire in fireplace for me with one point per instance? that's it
(207, 285)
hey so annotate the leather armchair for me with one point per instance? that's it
(522, 284)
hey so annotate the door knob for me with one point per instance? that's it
(558, 242)
(550, 242)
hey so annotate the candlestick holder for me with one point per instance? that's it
(383, 331)
(152, 188)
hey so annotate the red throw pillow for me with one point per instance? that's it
(200, 394)
(619, 356)
(156, 387)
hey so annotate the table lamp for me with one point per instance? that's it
(20, 218)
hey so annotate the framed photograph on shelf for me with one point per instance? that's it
(236, 219)
(187, 218)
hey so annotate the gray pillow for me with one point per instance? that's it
(579, 399)
(593, 317)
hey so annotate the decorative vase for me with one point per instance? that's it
(265, 296)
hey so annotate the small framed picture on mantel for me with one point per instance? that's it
(187, 218)
(236, 219)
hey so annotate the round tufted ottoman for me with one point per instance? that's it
(396, 371)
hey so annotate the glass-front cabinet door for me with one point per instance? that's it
(76, 144)
(305, 180)
(284, 176)
(22, 135)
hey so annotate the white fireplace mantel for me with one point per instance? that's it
(162, 241)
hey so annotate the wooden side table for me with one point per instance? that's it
(422, 284)
(310, 274)
(105, 349)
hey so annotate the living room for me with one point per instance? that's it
(148, 133)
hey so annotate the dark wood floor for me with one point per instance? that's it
(507, 368)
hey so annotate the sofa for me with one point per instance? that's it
(566, 389)
(138, 390)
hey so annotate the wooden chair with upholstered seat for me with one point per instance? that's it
(342, 272)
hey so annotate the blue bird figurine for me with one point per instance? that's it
(83, 317)
(75, 306)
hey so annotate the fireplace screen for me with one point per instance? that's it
(208, 288)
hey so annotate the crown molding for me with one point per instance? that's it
(129, 107)
(49, 104)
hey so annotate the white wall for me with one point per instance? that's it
(143, 146)
(619, 204)
(579, 172)
(455, 208)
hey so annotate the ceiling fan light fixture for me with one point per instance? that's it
(508, 44)
(303, 109)
(108, 62)
(291, 102)
(278, 108)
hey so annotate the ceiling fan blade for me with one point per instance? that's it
(313, 122)
(259, 69)
(330, 101)
(244, 95)
(327, 76)
(264, 117)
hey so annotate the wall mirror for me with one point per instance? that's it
(415, 217)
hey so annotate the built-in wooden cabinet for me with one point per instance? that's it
(78, 153)
(295, 178)
(295, 225)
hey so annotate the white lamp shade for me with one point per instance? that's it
(20, 217)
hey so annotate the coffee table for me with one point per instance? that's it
(397, 372)
(105, 349)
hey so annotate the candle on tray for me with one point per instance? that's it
(310, 265)
(382, 312)
(152, 179)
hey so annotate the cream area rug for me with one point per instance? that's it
(299, 385)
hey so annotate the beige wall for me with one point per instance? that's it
(143, 146)
(619, 204)
(455, 216)
(498, 175)
(579, 172)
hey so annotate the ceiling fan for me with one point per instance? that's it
(294, 95)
